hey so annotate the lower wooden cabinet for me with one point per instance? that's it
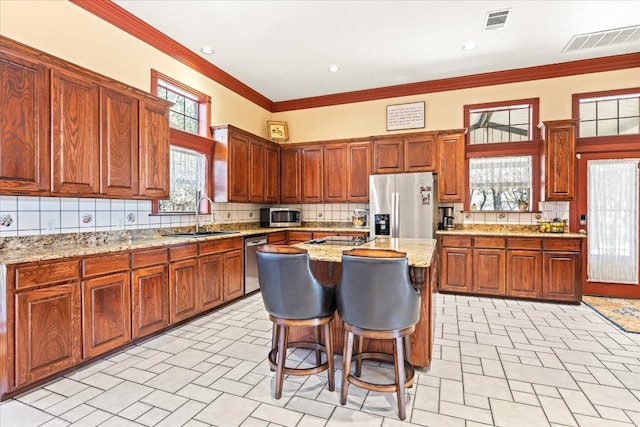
(277, 238)
(222, 270)
(211, 269)
(184, 295)
(233, 286)
(149, 300)
(523, 267)
(47, 338)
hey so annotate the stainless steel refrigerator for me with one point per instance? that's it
(403, 205)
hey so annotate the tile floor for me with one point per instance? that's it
(497, 362)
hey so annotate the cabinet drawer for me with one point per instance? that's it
(105, 264)
(558, 244)
(279, 237)
(489, 242)
(299, 236)
(323, 234)
(46, 273)
(149, 257)
(524, 243)
(183, 251)
(221, 245)
(457, 241)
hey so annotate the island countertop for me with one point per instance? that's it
(419, 251)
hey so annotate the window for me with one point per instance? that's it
(609, 115)
(191, 150)
(502, 150)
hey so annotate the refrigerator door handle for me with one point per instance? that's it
(395, 217)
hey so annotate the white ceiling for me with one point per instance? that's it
(282, 49)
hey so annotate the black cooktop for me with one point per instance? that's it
(340, 241)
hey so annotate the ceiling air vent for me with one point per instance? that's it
(495, 20)
(603, 38)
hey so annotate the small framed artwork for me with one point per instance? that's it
(277, 131)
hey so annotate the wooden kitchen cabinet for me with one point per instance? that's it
(451, 166)
(277, 238)
(184, 295)
(271, 173)
(456, 261)
(358, 170)
(559, 152)
(118, 143)
(294, 237)
(414, 152)
(24, 144)
(290, 174)
(335, 173)
(106, 303)
(524, 267)
(221, 265)
(154, 150)
(149, 291)
(311, 171)
(257, 177)
(561, 266)
(75, 133)
(233, 275)
(489, 265)
(388, 155)
(48, 337)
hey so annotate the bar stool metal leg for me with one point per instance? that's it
(346, 366)
(283, 338)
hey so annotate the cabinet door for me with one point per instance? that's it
(290, 175)
(561, 278)
(233, 275)
(524, 273)
(489, 267)
(388, 155)
(294, 237)
(271, 173)
(211, 269)
(24, 125)
(256, 171)
(335, 173)
(560, 159)
(118, 143)
(154, 150)
(238, 168)
(149, 300)
(48, 335)
(311, 174)
(456, 269)
(277, 238)
(106, 313)
(451, 167)
(420, 153)
(184, 298)
(75, 138)
(358, 171)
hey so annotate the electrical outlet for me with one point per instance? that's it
(51, 225)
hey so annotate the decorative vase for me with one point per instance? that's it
(523, 206)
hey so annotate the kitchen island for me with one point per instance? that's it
(325, 264)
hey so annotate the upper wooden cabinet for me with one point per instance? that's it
(559, 151)
(335, 173)
(415, 152)
(358, 171)
(451, 166)
(311, 169)
(244, 166)
(66, 130)
(290, 174)
(24, 143)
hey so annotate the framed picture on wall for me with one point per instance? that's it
(277, 131)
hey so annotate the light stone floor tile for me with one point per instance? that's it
(496, 362)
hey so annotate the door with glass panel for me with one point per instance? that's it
(609, 211)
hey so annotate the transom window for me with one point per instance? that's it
(502, 151)
(610, 115)
(191, 150)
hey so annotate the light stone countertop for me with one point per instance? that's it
(54, 246)
(505, 232)
(420, 252)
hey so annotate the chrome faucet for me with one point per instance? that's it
(200, 198)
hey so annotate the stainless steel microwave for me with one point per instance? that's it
(280, 217)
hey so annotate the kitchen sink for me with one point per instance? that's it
(203, 234)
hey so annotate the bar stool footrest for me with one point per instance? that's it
(300, 371)
(384, 358)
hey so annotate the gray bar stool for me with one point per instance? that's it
(293, 297)
(377, 301)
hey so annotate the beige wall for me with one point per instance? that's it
(67, 31)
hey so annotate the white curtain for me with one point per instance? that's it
(612, 209)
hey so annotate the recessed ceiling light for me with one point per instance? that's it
(207, 50)
(469, 46)
(334, 68)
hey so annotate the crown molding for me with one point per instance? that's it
(117, 16)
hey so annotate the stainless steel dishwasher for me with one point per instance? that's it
(251, 244)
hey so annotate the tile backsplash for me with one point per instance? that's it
(546, 211)
(25, 215)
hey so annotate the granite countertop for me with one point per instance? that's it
(506, 231)
(419, 251)
(54, 246)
